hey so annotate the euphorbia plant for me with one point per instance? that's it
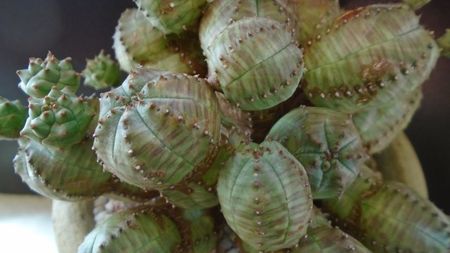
(177, 141)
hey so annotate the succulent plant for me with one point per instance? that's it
(391, 57)
(379, 125)
(157, 119)
(151, 229)
(314, 16)
(138, 43)
(405, 221)
(265, 196)
(211, 145)
(12, 118)
(42, 75)
(172, 16)
(326, 143)
(101, 72)
(255, 60)
(59, 119)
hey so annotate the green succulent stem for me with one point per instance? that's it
(60, 119)
(43, 75)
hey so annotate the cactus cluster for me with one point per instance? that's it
(239, 125)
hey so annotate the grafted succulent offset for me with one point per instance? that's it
(152, 229)
(314, 16)
(172, 16)
(381, 54)
(138, 42)
(404, 221)
(211, 145)
(265, 196)
(380, 124)
(42, 75)
(12, 118)
(59, 119)
(253, 57)
(159, 129)
(101, 72)
(327, 143)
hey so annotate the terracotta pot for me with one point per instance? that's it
(399, 162)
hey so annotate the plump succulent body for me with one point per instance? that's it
(172, 16)
(159, 129)
(252, 57)
(327, 143)
(101, 72)
(42, 75)
(138, 43)
(405, 221)
(12, 118)
(382, 54)
(152, 229)
(265, 196)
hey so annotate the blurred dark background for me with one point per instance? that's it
(82, 28)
